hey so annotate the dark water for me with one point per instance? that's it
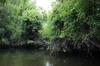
(40, 58)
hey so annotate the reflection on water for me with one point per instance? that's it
(48, 64)
(40, 58)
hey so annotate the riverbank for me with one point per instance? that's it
(72, 52)
(57, 47)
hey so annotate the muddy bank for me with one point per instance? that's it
(58, 46)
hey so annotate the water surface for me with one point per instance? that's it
(41, 58)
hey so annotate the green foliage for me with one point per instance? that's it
(17, 19)
(76, 19)
(47, 27)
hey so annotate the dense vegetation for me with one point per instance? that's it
(19, 21)
(72, 25)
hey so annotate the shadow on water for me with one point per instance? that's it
(41, 58)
